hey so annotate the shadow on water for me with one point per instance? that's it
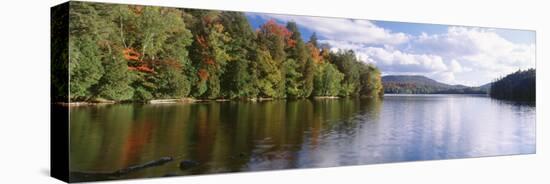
(516, 103)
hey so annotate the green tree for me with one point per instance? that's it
(297, 50)
(115, 83)
(334, 79)
(520, 85)
(87, 30)
(371, 82)
(85, 67)
(154, 42)
(327, 80)
(208, 52)
(347, 63)
(238, 81)
(171, 83)
(292, 77)
(269, 75)
(127, 52)
(272, 39)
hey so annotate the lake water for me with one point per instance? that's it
(253, 136)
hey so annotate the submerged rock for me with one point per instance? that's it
(95, 176)
(160, 161)
(187, 164)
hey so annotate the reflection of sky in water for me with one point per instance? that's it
(411, 128)
(281, 134)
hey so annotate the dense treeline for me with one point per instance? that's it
(520, 85)
(466, 90)
(416, 84)
(413, 88)
(139, 53)
(409, 88)
(59, 34)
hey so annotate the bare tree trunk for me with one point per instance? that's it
(122, 33)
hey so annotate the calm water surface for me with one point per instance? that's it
(253, 136)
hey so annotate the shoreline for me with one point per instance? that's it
(184, 101)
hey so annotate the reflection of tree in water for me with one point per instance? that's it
(220, 136)
(97, 134)
(134, 143)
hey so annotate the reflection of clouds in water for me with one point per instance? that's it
(426, 128)
(243, 136)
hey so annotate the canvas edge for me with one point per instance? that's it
(59, 90)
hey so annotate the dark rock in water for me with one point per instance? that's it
(187, 164)
(242, 154)
(134, 168)
(95, 176)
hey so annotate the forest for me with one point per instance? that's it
(520, 85)
(140, 53)
(418, 84)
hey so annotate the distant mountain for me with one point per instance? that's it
(418, 84)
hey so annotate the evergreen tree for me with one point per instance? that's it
(298, 51)
(85, 67)
(171, 83)
(370, 80)
(269, 75)
(292, 77)
(347, 63)
(115, 83)
(238, 81)
(520, 85)
(313, 40)
(85, 54)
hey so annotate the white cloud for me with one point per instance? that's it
(391, 60)
(396, 61)
(477, 48)
(455, 66)
(470, 56)
(351, 30)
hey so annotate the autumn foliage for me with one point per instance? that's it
(271, 27)
(203, 74)
(315, 53)
(131, 55)
(123, 52)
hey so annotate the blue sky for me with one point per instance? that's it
(453, 54)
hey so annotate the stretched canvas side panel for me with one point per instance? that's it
(59, 92)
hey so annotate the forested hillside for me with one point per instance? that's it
(520, 85)
(417, 84)
(413, 84)
(140, 53)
